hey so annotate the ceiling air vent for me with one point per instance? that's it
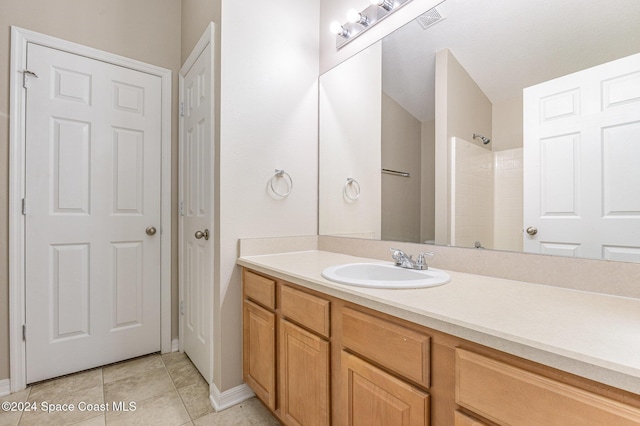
(429, 18)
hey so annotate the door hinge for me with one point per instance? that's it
(181, 109)
(182, 307)
(181, 208)
(24, 332)
(24, 207)
(25, 75)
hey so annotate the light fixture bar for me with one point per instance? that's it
(377, 11)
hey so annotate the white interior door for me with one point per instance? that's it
(581, 152)
(196, 239)
(93, 179)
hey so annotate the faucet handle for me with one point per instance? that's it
(420, 262)
(398, 255)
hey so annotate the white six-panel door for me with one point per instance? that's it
(196, 193)
(582, 155)
(93, 179)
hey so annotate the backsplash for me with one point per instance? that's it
(599, 276)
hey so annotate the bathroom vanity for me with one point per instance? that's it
(476, 351)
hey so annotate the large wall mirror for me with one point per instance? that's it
(499, 124)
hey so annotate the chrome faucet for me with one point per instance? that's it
(404, 260)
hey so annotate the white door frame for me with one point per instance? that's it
(206, 42)
(17, 302)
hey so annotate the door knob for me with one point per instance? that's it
(151, 230)
(200, 234)
(532, 230)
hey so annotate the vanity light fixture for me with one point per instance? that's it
(385, 4)
(355, 17)
(359, 22)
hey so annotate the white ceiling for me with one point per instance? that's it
(506, 45)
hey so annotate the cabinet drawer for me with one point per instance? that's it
(260, 289)
(508, 395)
(305, 309)
(400, 349)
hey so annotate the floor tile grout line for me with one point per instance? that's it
(104, 397)
(176, 388)
(138, 403)
(25, 400)
(180, 395)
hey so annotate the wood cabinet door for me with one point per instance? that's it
(304, 377)
(259, 352)
(372, 397)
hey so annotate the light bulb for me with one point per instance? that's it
(353, 16)
(385, 4)
(356, 17)
(337, 29)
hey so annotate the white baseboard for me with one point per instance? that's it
(223, 400)
(175, 345)
(5, 387)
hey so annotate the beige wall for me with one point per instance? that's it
(469, 110)
(401, 148)
(195, 18)
(145, 30)
(507, 124)
(428, 175)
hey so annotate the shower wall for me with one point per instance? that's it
(486, 196)
(472, 194)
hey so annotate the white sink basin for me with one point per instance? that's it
(384, 275)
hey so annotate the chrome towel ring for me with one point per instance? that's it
(351, 182)
(281, 174)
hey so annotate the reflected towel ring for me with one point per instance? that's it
(281, 174)
(354, 183)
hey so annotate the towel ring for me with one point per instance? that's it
(281, 174)
(356, 185)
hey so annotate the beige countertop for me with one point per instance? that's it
(593, 335)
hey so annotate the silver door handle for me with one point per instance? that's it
(151, 230)
(532, 230)
(200, 234)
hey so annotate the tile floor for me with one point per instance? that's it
(165, 389)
